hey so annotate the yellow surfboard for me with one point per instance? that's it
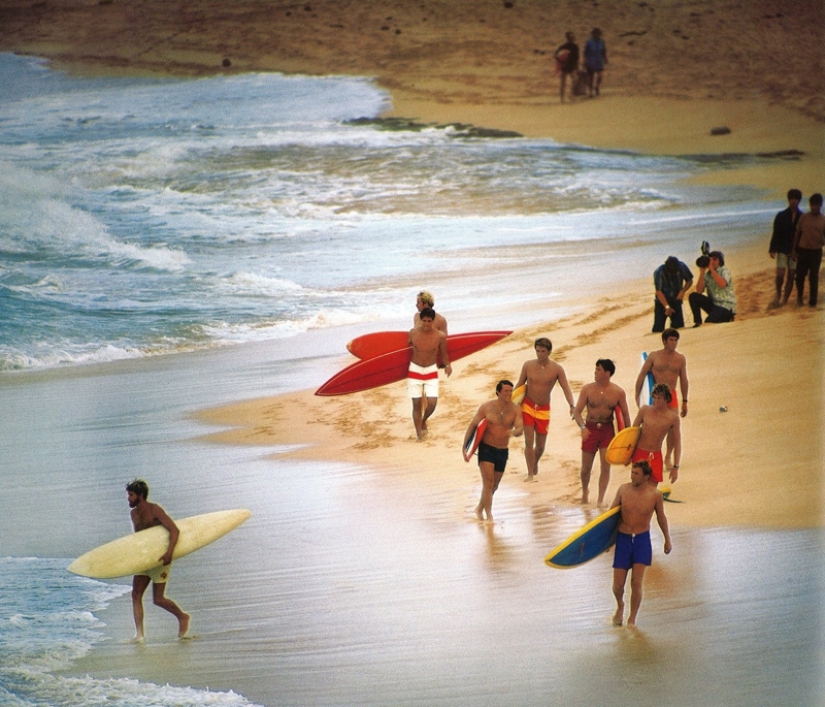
(141, 551)
(518, 394)
(622, 446)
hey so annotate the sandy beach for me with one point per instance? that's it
(674, 73)
(350, 514)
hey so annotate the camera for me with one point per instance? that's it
(703, 260)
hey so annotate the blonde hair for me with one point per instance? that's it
(426, 298)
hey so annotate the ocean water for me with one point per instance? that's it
(211, 240)
(148, 217)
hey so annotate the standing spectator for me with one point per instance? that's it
(567, 63)
(784, 230)
(672, 281)
(595, 57)
(807, 249)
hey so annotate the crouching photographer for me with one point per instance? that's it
(720, 301)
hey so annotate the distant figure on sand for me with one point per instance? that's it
(807, 249)
(720, 302)
(540, 376)
(600, 398)
(567, 63)
(425, 300)
(422, 378)
(147, 515)
(503, 422)
(672, 280)
(638, 500)
(657, 422)
(668, 366)
(784, 230)
(595, 58)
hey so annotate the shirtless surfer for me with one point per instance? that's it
(503, 422)
(601, 398)
(667, 366)
(638, 500)
(422, 379)
(540, 376)
(424, 300)
(657, 422)
(147, 515)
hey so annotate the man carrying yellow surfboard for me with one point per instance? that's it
(147, 515)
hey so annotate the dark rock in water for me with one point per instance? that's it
(456, 130)
(226, 63)
(782, 154)
(724, 130)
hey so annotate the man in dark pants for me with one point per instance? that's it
(784, 230)
(807, 249)
(672, 281)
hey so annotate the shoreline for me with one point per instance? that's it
(374, 428)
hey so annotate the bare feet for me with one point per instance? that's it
(617, 617)
(138, 639)
(183, 625)
(531, 477)
(585, 498)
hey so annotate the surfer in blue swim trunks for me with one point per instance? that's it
(503, 422)
(638, 500)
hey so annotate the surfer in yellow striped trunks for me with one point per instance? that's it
(147, 515)
(540, 376)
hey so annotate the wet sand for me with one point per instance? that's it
(372, 583)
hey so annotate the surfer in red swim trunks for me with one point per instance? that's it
(601, 399)
(540, 376)
(667, 366)
(657, 422)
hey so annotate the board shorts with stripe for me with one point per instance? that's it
(537, 416)
(493, 455)
(657, 463)
(159, 574)
(632, 550)
(601, 433)
(422, 381)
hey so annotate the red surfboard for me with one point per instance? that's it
(377, 343)
(475, 440)
(393, 366)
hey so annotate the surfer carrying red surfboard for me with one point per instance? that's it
(428, 344)
(147, 515)
(425, 300)
(503, 422)
(540, 375)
